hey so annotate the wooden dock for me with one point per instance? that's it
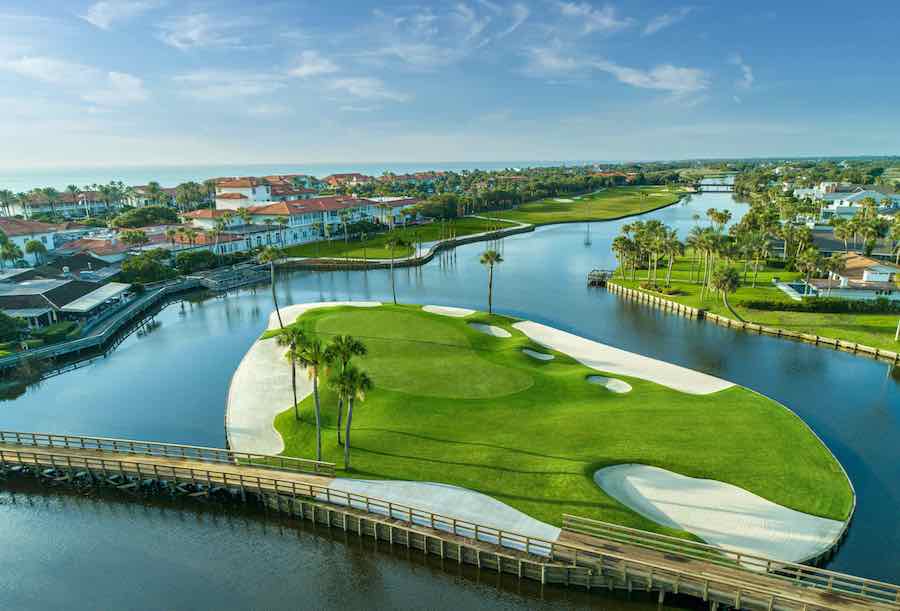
(589, 554)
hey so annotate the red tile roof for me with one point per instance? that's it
(18, 227)
(242, 182)
(206, 213)
(316, 204)
(231, 196)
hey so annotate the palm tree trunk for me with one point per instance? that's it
(393, 283)
(755, 270)
(315, 373)
(490, 289)
(669, 271)
(347, 434)
(274, 297)
(340, 416)
(294, 384)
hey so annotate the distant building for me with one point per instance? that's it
(69, 205)
(343, 180)
(234, 193)
(861, 278)
(41, 302)
(51, 235)
(141, 197)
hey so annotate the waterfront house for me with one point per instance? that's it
(240, 192)
(861, 278)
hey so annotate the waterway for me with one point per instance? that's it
(170, 385)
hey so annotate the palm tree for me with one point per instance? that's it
(313, 356)
(808, 262)
(727, 280)
(171, 234)
(317, 231)
(841, 231)
(291, 338)
(392, 243)
(833, 265)
(345, 218)
(7, 198)
(270, 255)
(895, 236)
(490, 258)
(75, 192)
(671, 248)
(354, 384)
(10, 252)
(52, 196)
(341, 350)
(244, 215)
(36, 248)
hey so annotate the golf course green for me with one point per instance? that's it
(453, 404)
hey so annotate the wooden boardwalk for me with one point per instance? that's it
(589, 554)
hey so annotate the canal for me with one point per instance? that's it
(169, 384)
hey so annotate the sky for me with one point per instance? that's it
(131, 82)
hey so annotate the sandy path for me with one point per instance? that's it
(490, 330)
(261, 387)
(721, 514)
(613, 360)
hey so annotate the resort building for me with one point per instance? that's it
(240, 192)
(348, 180)
(141, 197)
(67, 204)
(41, 302)
(50, 235)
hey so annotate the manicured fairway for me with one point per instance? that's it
(374, 247)
(610, 203)
(454, 405)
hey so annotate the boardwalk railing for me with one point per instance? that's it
(168, 450)
(800, 574)
(593, 565)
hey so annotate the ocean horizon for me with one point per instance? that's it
(25, 179)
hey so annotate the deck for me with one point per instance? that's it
(589, 554)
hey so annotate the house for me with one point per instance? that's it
(51, 235)
(105, 246)
(348, 180)
(42, 302)
(861, 278)
(80, 266)
(140, 197)
(240, 192)
(78, 205)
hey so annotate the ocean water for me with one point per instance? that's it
(20, 180)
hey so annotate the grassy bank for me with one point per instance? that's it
(454, 405)
(611, 203)
(875, 330)
(374, 247)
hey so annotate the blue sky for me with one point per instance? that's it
(118, 82)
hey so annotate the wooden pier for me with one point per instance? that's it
(599, 277)
(589, 554)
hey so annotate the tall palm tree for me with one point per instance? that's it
(490, 258)
(345, 219)
(270, 255)
(341, 350)
(727, 280)
(833, 264)
(313, 356)
(52, 196)
(292, 337)
(36, 248)
(392, 243)
(7, 198)
(354, 384)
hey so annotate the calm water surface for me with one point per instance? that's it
(170, 385)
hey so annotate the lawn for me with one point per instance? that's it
(875, 330)
(374, 247)
(608, 204)
(453, 405)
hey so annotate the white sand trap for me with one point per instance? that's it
(721, 514)
(448, 311)
(541, 356)
(490, 330)
(613, 360)
(611, 384)
(451, 502)
(563, 200)
(261, 387)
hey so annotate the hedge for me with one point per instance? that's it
(828, 305)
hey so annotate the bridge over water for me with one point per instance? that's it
(588, 554)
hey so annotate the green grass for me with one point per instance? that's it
(454, 405)
(610, 203)
(374, 247)
(875, 330)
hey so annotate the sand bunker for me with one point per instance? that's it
(453, 502)
(490, 330)
(448, 311)
(613, 360)
(563, 200)
(261, 387)
(541, 356)
(611, 384)
(721, 514)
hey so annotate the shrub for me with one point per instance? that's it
(665, 290)
(57, 332)
(827, 305)
(11, 328)
(147, 267)
(142, 217)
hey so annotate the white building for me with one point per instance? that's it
(52, 236)
(234, 193)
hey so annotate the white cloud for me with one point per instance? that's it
(198, 30)
(747, 79)
(269, 110)
(594, 19)
(311, 63)
(105, 13)
(228, 84)
(661, 22)
(367, 88)
(551, 61)
(664, 77)
(91, 84)
(519, 13)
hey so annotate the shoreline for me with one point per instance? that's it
(607, 354)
